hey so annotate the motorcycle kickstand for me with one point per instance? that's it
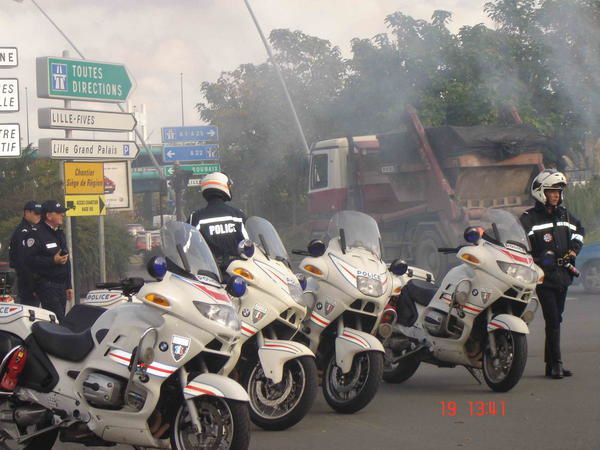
(476, 373)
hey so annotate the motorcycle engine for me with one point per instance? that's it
(434, 322)
(103, 391)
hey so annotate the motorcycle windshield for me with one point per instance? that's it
(184, 246)
(355, 230)
(502, 227)
(264, 234)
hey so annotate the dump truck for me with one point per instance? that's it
(424, 186)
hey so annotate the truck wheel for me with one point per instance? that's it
(427, 256)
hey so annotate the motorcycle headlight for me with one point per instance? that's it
(223, 314)
(369, 286)
(295, 291)
(519, 272)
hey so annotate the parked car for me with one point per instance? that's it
(588, 263)
(141, 244)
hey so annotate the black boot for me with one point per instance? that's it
(548, 371)
(556, 363)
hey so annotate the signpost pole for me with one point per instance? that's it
(68, 223)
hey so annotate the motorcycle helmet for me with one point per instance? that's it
(216, 183)
(547, 179)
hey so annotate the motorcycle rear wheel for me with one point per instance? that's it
(503, 372)
(225, 425)
(351, 392)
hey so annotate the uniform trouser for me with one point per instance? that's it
(553, 306)
(26, 291)
(53, 297)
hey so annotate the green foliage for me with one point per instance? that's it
(118, 248)
(542, 57)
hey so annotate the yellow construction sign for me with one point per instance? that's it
(84, 178)
(85, 205)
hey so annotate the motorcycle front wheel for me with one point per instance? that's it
(504, 370)
(225, 425)
(278, 406)
(351, 392)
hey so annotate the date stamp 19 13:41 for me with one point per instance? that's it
(474, 409)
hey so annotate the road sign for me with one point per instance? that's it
(77, 79)
(10, 140)
(84, 178)
(145, 173)
(9, 95)
(8, 57)
(117, 185)
(85, 205)
(81, 119)
(196, 169)
(190, 134)
(193, 182)
(75, 149)
(206, 152)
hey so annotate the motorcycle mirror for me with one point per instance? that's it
(398, 267)
(236, 286)
(246, 249)
(548, 258)
(472, 235)
(316, 248)
(157, 267)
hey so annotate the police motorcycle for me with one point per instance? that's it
(477, 316)
(280, 375)
(347, 289)
(143, 374)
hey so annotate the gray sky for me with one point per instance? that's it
(159, 39)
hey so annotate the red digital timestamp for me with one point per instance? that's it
(475, 409)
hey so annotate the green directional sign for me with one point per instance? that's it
(196, 169)
(84, 80)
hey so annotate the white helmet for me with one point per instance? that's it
(216, 181)
(547, 179)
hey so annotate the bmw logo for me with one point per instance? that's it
(163, 346)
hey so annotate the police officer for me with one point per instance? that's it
(47, 256)
(550, 227)
(16, 253)
(221, 225)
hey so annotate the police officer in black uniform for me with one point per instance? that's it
(550, 227)
(221, 225)
(16, 253)
(47, 256)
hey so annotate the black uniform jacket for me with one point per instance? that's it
(40, 250)
(18, 244)
(222, 226)
(558, 231)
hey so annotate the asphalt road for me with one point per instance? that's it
(540, 413)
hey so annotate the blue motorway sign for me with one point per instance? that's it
(190, 134)
(205, 152)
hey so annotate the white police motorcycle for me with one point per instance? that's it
(477, 317)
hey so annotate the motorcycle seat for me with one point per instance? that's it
(81, 317)
(420, 291)
(61, 342)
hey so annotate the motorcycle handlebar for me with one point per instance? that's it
(109, 285)
(448, 250)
